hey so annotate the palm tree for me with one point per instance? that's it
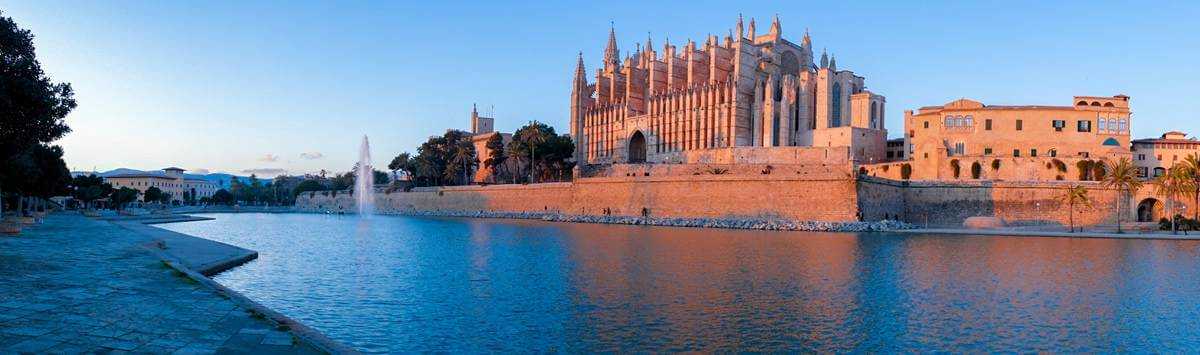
(1171, 185)
(1191, 165)
(1122, 175)
(533, 137)
(464, 156)
(1076, 194)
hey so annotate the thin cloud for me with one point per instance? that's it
(199, 171)
(312, 155)
(265, 171)
(269, 158)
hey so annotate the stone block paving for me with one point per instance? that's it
(77, 285)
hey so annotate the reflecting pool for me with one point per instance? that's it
(404, 284)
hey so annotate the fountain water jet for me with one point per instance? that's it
(364, 182)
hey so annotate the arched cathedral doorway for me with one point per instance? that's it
(1149, 210)
(637, 148)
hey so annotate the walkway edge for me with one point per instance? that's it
(313, 337)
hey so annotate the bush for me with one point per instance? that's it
(1182, 223)
(954, 167)
(905, 171)
(1060, 165)
(976, 170)
(996, 164)
(1085, 169)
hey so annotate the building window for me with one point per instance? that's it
(959, 148)
(1141, 171)
(1016, 152)
(1033, 152)
(1053, 152)
(926, 124)
(1112, 126)
(949, 122)
(1124, 125)
(987, 124)
(1083, 126)
(987, 151)
(1141, 157)
(1159, 172)
(1019, 125)
(1058, 125)
(970, 121)
(1101, 126)
(1084, 154)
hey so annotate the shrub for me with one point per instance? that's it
(905, 171)
(1058, 164)
(996, 164)
(718, 171)
(954, 167)
(885, 167)
(976, 170)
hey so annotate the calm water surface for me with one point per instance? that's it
(404, 284)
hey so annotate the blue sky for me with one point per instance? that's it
(251, 86)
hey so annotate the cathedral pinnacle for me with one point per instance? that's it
(740, 29)
(612, 55)
(775, 30)
(807, 42)
(824, 59)
(833, 63)
(580, 72)
(750, 32)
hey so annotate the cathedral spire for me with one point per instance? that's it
(612, 55)
(833, 63)
(824, 59)
(580, 72)
(750, 33)
(775, 30)
(807, 42)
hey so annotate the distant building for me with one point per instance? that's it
(943, 139)
(482, 130)
(170, 180)
(1154, 156)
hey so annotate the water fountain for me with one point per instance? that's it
(364, 183)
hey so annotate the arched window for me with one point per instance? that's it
(1112, 142)
(835, 119)
(1108, 104)
(949, 121)
(874, 114)
(1081, 103)
(1095, 103)
(969, 121)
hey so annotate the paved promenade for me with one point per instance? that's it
(74, 284)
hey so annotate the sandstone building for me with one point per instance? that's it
(966, 139)
(1154, 156)
(744, 93)
(482, 130)
(170, 180)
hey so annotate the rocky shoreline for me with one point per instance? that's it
(728, 223)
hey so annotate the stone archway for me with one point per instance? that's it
(637, 148)
(1149, 210)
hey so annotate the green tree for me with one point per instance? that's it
(496, 158)
(462, 161)
(222, 197)
(88, 188)
(1169, 186)
(32, 108)
(1191, 166)
(152, 194)
(1121, 175)
(306, 186)
(123, 196)
(380, 177)
(1075, 195)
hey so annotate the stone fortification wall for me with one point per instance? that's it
(949, 203)
(1006, 168)
(706, 196)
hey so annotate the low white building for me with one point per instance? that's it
(170, 180)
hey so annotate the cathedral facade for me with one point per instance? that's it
(744, 92)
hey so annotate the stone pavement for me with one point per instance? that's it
(74, 284)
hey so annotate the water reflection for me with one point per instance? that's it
(402, 284)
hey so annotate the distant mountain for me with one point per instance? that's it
(221, 179)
